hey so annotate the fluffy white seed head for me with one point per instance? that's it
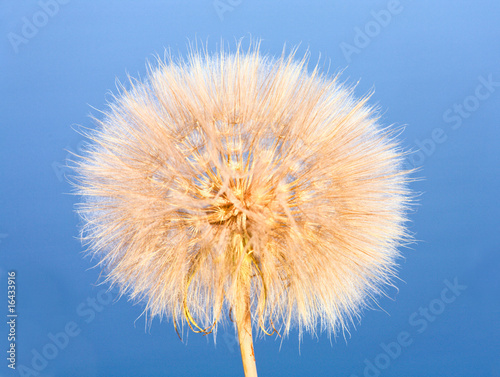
(240, 165)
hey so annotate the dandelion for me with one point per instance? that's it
(243, 187)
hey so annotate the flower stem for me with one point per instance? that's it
(244, 325)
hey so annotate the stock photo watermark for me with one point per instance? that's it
(454, 117)
(11, 320)
(86, 312)
(231, 342)
(363, 36)
(223, 6)
(32, 25)
(456, 114)
(418, 323)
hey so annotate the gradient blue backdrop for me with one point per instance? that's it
(428, 63)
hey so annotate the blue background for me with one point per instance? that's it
(428, 58)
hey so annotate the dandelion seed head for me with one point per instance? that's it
(240, 165)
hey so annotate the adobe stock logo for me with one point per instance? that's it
(364, 36)
(470, 104)
(32, 25)
(455, 117)
(224, 6)
(58, 341)
(419, 321)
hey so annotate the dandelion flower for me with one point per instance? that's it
(241, 185)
